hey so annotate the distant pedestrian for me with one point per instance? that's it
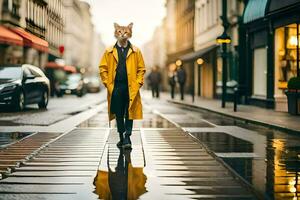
(122, 72)
(181, 78)
(172, 83)
(155, 81)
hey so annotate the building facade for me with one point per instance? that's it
(78, 36)
(55, 28)
(208, 26)
(98, 48)
(160, 53)
(184, 33)
(25, 20)
(271, 57)
(34, 21)
(170, 28)
(35, 17)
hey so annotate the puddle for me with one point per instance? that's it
(122, 181)
(222, 142)
(99, 120)
(153, 121)
(274, 170)
(9, 138)
(149, 121)
(199, 124)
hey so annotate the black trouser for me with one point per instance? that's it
(119, 107)
(181, 86)
(155, 91)
(172, 91)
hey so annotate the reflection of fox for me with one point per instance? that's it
(125, 182)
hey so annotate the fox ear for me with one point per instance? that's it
(130, 25)
(116, 25)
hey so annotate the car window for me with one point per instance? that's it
(35, 72)
(27, 72)
(10, 72)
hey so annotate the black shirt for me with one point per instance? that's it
(121, 73)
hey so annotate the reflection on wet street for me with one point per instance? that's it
(267, 159)
(8, 138)
(122, 182)
(150, 121)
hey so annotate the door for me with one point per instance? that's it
(260, 72)
(29, 86)
(39, 83)
(207, 89)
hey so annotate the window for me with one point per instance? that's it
(286, 57)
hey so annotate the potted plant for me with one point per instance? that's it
(293, 95)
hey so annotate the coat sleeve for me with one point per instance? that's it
(140, 69)
(103, 69)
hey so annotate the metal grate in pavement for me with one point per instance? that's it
(63, 170)
(13, 155)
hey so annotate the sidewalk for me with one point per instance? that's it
(254, 114)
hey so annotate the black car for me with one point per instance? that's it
(21, 85)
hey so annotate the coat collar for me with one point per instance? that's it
(132, 47)
(113, 49)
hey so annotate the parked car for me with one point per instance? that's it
(93, 84)
(21, 85)
(73, 85)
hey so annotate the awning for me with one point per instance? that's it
(9, 37)
(31, 40)
(54, 65)
(275, 6)
(197, 54)
(71, 69)
(255, 9)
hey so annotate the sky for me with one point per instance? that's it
(146, 15)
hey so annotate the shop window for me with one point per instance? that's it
(286, 57)
(260, 72)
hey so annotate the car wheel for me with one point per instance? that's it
(79, 93)
(44, 102)
(20, 102)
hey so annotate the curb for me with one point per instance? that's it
(247, 120)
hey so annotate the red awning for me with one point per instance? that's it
(32, 40)
(9, 37)
(54, 65)
(71, 69)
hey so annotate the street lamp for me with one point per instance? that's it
(178, 63)
(200, 61)
(223, 40)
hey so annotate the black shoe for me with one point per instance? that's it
(127, 142)
(120, 143)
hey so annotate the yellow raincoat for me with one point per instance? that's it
(135, 73)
